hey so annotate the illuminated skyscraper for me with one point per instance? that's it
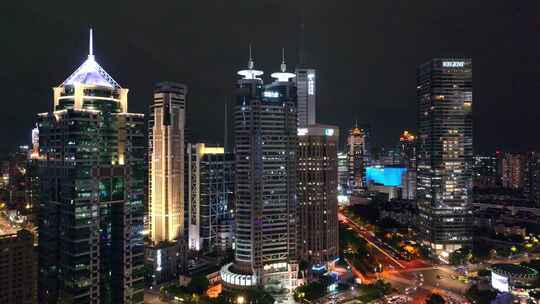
(317, 197)
(407, 150)
(210, 173)
(444, 154)
(166, 134)
(166, 178)
(357, 152)
(307, 96)
(265, 182)
(91, 210)
(407, 156)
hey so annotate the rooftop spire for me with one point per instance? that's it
(91, 45)
(251, 64)
(283, 65)
(283, 75)
(250, 73)
(90, 72)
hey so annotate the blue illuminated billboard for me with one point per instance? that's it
(387, 176)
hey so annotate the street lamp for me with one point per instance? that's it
(240, 300)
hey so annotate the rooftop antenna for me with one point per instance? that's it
(250, 73)
(283, 75)
(91, 45)
(283, 65)
(251, 64)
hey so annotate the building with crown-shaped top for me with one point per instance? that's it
(265, 140)
(91, 211)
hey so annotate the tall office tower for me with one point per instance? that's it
(307, 96)
(18, 268)
(91, 211)
(210, 174)
(265, 182)
(342, 173)
(356, 150)
(166, 178)
(407, 150)
(512, 167)
(317, 197)
(444, 152)
(485, 169)
(407, 156)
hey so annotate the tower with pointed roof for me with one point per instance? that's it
(92, 168)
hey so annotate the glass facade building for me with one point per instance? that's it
(92, 172)
(317, 198)
(265, 135)
(444, 152)
(210, 174)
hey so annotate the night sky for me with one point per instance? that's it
(366, 53)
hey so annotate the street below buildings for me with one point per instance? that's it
(416, 278)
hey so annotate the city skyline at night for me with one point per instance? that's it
(358, 157)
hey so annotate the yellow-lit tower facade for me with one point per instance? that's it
(166, 165)
(166, 181)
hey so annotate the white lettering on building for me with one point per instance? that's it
(453, 64)
(311, 84)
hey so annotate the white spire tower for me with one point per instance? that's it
(283, 76)
(250, 73)
(90, 72)
(91, 46)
